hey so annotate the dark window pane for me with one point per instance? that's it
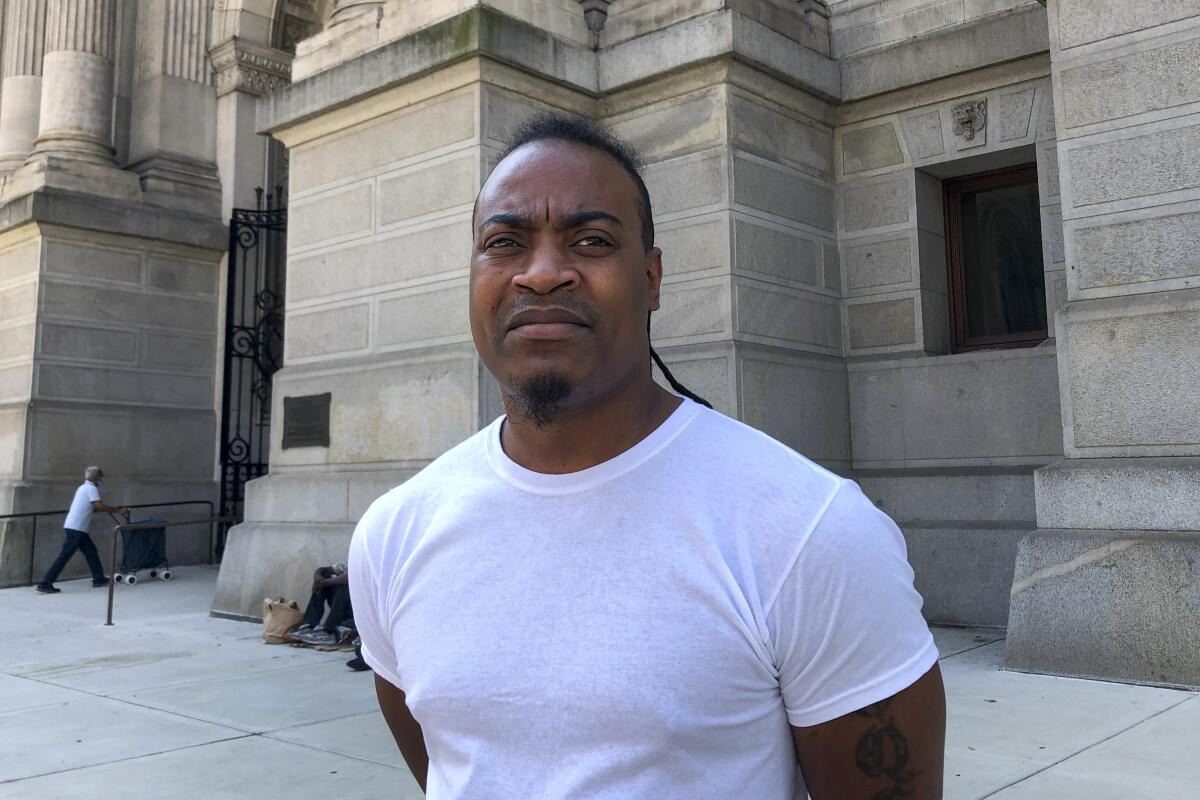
(1002, 261)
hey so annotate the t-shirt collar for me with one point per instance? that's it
(544, 483)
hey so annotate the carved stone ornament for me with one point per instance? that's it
(249, 68)
(970, 118)
(595, 12)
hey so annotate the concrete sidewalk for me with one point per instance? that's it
(171, 703)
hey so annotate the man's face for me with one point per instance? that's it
(561, 284)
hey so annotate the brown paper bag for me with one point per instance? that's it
(279, 617)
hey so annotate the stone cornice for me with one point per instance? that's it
(240, 66)
(485, 32)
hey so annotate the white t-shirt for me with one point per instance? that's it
(80, 515)
(645, 628)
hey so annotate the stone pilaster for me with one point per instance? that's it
(243, 72)
(24, 25)
(173, 139)
(1109, 586)
(75, 120)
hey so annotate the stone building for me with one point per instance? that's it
(945, 247)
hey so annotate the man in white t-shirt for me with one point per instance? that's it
(75, 531)
(614, 591)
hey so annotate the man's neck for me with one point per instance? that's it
(590, 434)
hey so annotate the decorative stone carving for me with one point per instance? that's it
(970, 123)
(596, 13)
(242, 67)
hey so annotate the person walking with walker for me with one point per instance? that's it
(75, 528)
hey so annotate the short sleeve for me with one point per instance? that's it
(367, 599)
(93, 493)
(846, 623)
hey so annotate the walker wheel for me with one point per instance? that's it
(119, 578)
(131, 578)
(153, 573)
(165, 575)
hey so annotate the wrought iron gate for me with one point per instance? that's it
(253, 345)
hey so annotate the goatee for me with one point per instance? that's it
(540, 398)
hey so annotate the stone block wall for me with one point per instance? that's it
(945, 443)
(739, 171)
(379, 248)
(110, 344)
(1128, 146)
(19, 262)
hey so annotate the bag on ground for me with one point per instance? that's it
(279, 617)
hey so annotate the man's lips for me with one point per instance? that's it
(547, 324)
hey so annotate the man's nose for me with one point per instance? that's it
(548, 269)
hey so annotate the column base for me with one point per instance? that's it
(181, 183)
(1112, 605)
(72, 175)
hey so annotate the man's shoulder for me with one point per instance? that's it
(441, 477)
(736, 452)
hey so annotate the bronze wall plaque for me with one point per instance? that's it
(306, 421)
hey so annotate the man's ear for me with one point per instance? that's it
(654, 275)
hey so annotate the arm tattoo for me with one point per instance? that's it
(882, 752)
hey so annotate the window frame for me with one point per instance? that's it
(953, 190)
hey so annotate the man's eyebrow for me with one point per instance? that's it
(508, 219)
(583, 217)
(576, 219)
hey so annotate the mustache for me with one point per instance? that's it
(580, 308)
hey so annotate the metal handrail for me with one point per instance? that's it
(212, 534)
(134, 526)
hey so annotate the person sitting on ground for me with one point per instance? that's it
(86, 500)
(331, 586)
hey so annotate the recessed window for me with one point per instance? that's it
(994, 255)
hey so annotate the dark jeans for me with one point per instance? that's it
(338, 598)
(76, 540)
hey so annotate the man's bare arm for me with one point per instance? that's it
(101, 506)
(405, 729)
(892, 750)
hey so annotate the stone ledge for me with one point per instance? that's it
(318, 497)
(111, 216)
(479, 31)
(1114, 605)
(488, 33)
(1120, 494)
(961, 49)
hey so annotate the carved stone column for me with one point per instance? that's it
(173, 144)
(75, 119)
(24, 25)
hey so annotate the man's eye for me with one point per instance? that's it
(594, 241)
(500, 241)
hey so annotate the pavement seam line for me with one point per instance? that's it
(971, 649)
(118, 699)
(169, 685)
(127, 758)
(307, 746)
(318, 722)
(1082, 750)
